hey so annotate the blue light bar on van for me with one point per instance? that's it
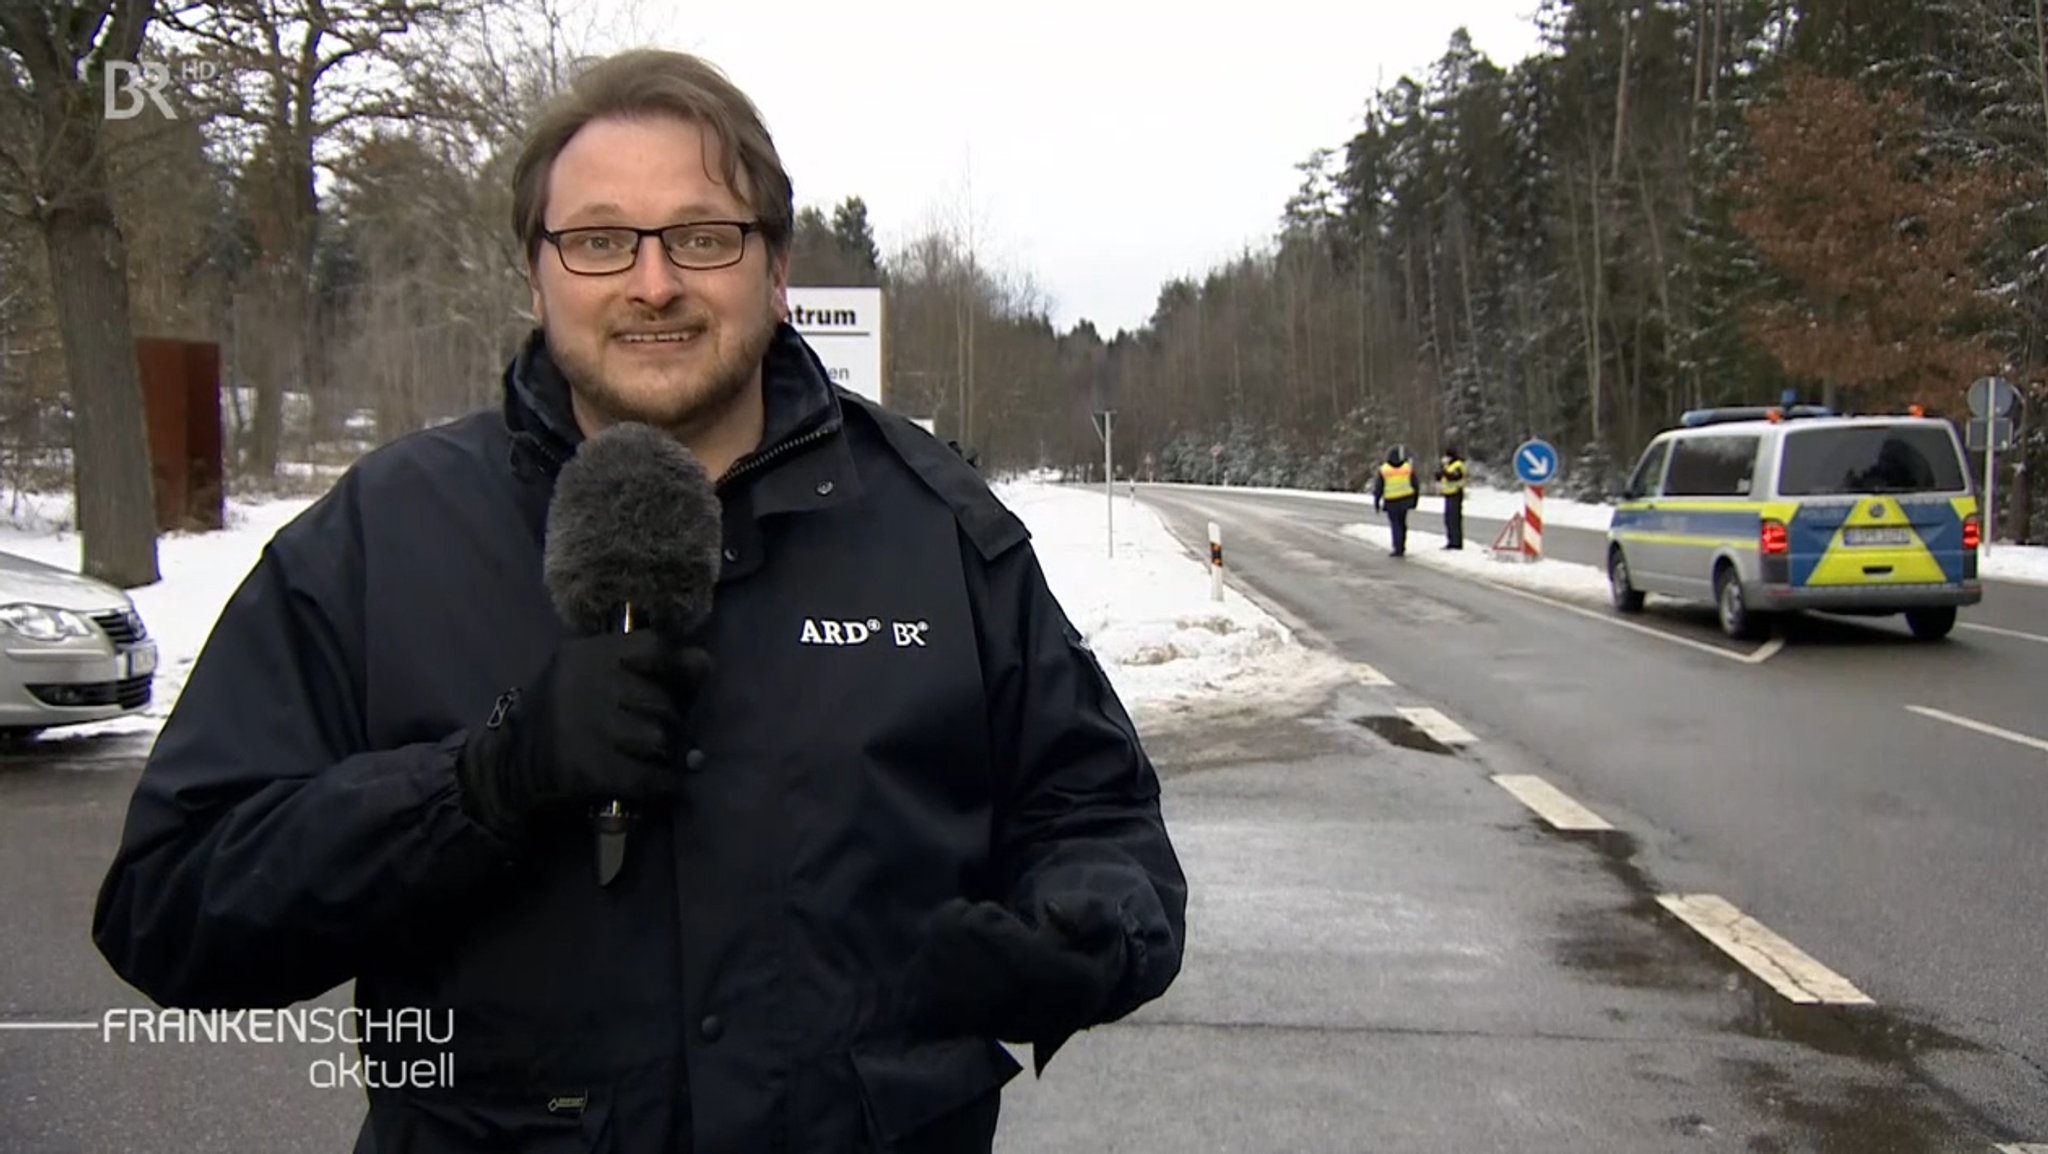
(1694, 418)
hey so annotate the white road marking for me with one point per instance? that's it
(1759, 655)
(1980, 727)
(1436, 725)
(1367, 675)
(1764, 652)
(1782, 965)
(2024, 1148)
(2005, 633)
(1550, 803)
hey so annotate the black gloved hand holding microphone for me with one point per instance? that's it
(630, 562)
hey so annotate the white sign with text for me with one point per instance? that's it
(845, 326)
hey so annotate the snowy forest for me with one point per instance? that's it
(1678, 203)
(1675, 203)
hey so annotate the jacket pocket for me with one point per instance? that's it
(906, 1087)
(568, 1121)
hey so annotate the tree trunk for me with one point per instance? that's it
(2041, 58)
(1628, 39)
(266, 444)
(1365, 375)
(1660, 276)
(1591, 289)
(116, 495)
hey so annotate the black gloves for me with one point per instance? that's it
(602, 721)
(983, 970)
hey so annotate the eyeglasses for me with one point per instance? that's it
(698, 246)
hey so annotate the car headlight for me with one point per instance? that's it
(42, 623)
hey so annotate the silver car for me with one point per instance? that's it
(72, 649)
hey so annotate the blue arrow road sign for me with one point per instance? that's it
(1536, 463)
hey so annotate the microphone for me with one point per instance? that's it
(632, 542)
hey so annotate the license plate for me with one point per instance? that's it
(139, 661)
(1886, 535)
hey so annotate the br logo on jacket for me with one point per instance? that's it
(905, 634)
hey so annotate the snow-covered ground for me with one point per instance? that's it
(1564, 580)
(1171, 651)
(1148, 615)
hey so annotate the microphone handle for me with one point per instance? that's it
(611, 818)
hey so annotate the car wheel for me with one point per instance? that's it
(1736, 619)
(1931, 624)
(1627, 598)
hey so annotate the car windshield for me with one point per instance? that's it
(1870, 459)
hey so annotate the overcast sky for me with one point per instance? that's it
(1110, 145)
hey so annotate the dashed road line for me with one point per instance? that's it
(1783, 966)
(1980, 726)
(1550, 803)
(2024, 1148)
(1437, 726)
(1366, 675)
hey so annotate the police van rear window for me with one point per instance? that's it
(1870, 459)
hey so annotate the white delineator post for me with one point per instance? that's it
(1532, 522)
(1215, 562)
(1987, 517)
(1109, 480)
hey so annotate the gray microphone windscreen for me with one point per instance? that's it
(634, 520)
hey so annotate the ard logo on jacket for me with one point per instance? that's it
(905, 634)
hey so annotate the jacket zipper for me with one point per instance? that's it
(782, 450)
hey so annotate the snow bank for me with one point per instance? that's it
(1147, 612)
(1168, 648)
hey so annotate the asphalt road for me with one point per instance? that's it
(1386, 953)
(1900, 848)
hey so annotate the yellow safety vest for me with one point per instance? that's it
(1454, 478)
(1399, 481)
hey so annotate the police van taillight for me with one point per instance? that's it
(1972, 535)
(1775, 542)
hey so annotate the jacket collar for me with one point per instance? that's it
(803, 462)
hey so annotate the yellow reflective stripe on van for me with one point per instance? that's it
(1720, 538)
(1707, 541)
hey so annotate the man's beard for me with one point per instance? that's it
(693, 394)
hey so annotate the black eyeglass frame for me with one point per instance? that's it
(747, 228)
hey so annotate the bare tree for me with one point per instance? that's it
(56, 175)
(297, 74)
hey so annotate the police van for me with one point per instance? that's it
(1762, 510)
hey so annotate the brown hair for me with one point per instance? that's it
(653, 82)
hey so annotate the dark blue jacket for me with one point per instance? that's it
(296, 826)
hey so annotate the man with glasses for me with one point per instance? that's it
(901, 816)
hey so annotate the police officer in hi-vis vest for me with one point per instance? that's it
(1451, 480)
(1393, 488)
